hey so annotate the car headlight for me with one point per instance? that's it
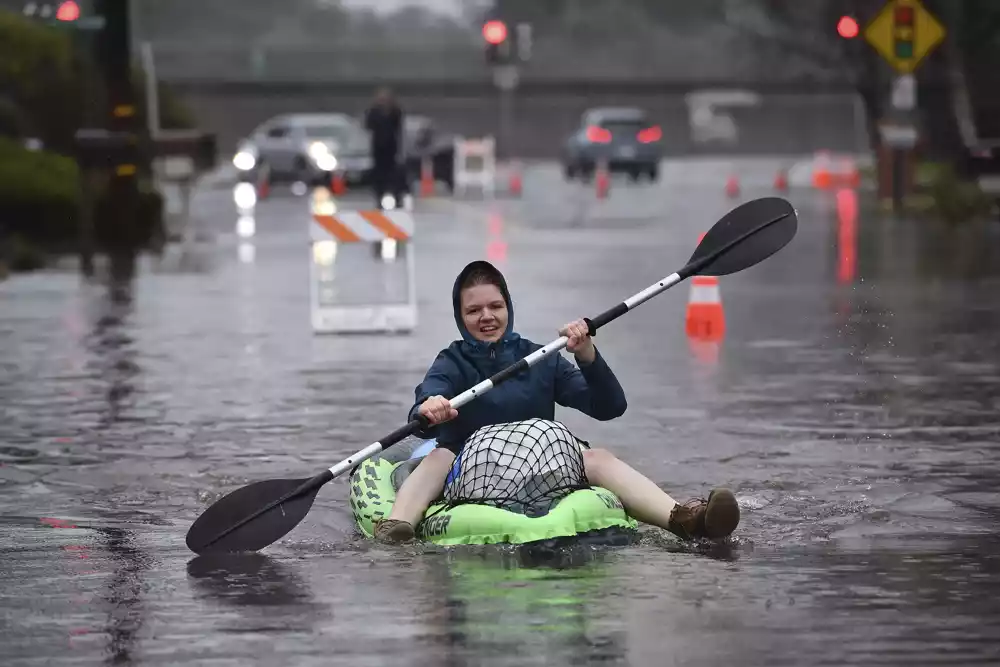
(322, 156)
(317, 150)
(244, 161)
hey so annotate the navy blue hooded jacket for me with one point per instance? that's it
(592, 389)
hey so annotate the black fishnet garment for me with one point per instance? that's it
(522, 467)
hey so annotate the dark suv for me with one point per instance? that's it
(622, 137)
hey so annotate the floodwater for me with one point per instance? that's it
(852, 407)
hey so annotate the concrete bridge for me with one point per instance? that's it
(794, 108)
(697, 118)
(682, 83)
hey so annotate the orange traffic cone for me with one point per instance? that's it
(337, 184)
(705, 319)
(602, 180)
(733, 186)
(821, 170)
(781, 180)
(426, 178)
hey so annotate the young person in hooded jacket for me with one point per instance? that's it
(485, 317)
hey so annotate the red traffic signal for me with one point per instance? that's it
(495, 32)
(847, 27)
(68, 11)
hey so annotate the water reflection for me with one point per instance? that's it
(121, 598)
(921, 601)
(110, 343)
(496, 247)
(245, 198)
(847, 221)
(123, 595)
(247, 580)
(247, 253)
(515, 606)
(246, 226)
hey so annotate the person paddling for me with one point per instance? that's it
(484, 314)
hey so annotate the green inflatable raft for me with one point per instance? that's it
(593, 514)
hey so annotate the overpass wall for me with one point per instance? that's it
(786, 120)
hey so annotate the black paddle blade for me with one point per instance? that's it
(747, 235)
(251, 518)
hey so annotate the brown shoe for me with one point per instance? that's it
(713, 519)
(393, 531)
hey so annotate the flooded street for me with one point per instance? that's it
(852, 407)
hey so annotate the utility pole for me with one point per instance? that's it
(123, 121)
(111, 154)
(119, 151)
(903, 33)
(504, 53)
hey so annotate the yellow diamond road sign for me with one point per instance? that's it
(904, 33)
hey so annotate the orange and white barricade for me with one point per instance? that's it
(475, 165)
(362, 276)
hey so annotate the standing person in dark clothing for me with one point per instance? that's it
(384, 120)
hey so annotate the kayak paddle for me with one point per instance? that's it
(259, 514)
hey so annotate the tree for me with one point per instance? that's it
(52, 88)
(791, 28)
(41, 76)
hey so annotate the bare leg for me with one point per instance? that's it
(643, 500)
(714, 518)
(422, 486)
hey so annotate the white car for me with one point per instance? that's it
(308, 148)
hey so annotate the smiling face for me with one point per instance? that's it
(484, 312)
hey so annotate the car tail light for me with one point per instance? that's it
(650, 134)
(598, 135)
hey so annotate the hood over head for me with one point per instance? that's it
(481, 265)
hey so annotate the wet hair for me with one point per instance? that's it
(482, 275)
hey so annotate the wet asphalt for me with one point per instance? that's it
(851, 405)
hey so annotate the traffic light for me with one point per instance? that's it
(68, 11)
(847, 27)
(903, 31)
(495, 32)
(497, 42)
